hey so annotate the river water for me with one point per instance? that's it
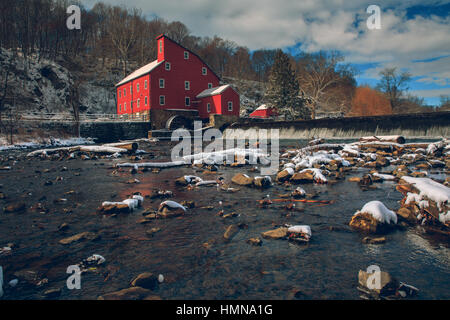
(190, 251)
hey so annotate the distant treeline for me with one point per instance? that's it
(124, 35)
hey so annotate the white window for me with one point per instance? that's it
(162, 83)
(168, 66)
(204, 71)
(208, 107)
(187, 101)
(138, 103)
(125, 107)
(209, 85)
(230, 106)
(120, 94)
(120, 108)
(186, 55)
(124, 92)
(160, 46)
(145, 84)
(162, 100)
(137, 87)
(187, 85)
(146, 100)
(131, 89)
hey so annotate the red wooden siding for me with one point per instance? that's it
(174, 92)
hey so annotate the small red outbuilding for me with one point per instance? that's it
(264, 112)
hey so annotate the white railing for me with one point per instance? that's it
(68, 117)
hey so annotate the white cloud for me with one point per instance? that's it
(432, 93)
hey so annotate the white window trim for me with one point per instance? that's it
(188, 85)
(125, 107)
(168, 66)
(186, 99)
(163, 83)
(230, 104)
(131, 89)
(164, 100)
(186, 55)
(146, 101)
(124, 92)
(138, 103)
(137, 87)
(145, 84)
(204, 71)
(120, 108)
(208, 107)
(160, 46)
(120, 93)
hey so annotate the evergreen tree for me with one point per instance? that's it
(283, 90)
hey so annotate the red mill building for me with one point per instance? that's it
(176, 85)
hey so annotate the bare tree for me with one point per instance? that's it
(4, 79)
(320, 72)
(122, 29)
(178, 32)
(393, 84)
(74, 101)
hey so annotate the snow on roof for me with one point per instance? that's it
(213, 91)
(141, 71)
(262, 107)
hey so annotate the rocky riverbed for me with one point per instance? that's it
(221, 232)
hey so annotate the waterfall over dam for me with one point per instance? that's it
(423, 125)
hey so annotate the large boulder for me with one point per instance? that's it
(374, 217)
(365, 222)
(146, 280)
(385, 286)
(242, 179)
(285, 174)
(280, 233)
(302, 177)
(262, 182)
(407, 214)
(114, 208)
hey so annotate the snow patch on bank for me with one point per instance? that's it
(53, 142)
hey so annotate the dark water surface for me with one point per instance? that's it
(190, 251)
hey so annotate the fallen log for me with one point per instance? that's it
(129, 145)
(396, 139)
(92, 149)
(102, 149)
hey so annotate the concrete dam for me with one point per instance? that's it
(423, 125)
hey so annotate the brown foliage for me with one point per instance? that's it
(369, 102)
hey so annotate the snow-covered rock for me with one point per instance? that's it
(379, 211)
(430, 189)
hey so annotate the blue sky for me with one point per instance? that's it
(414, 35)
